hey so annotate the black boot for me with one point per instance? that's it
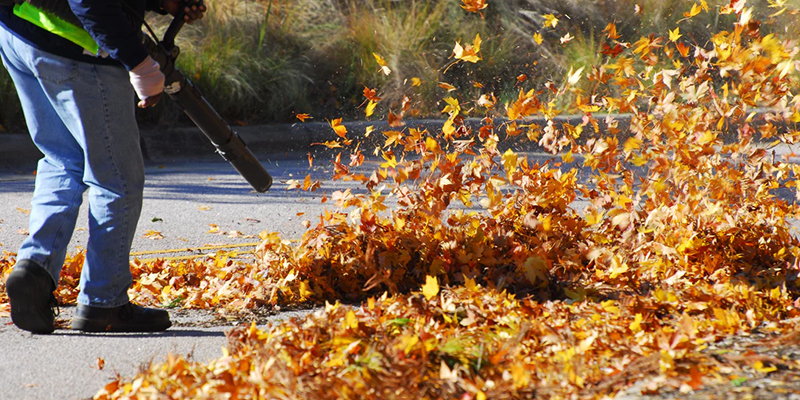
(30, 292)
(127, 318)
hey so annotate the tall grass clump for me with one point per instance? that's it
(265, 60)
(416, 38)
(245, 64)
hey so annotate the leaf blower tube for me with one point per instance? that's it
(229, 145)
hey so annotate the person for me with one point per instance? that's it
(76, 65)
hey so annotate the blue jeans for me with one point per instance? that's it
(81, 116)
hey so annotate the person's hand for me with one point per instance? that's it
(148, 82)
(193, 10)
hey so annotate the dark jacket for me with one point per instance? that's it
(114, 26)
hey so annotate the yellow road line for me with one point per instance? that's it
(228, 246)
(189, 249)
(179, 258)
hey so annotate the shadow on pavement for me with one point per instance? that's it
(174, 332)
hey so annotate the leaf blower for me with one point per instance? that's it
(228, 144)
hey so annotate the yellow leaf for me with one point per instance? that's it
(370, 108)
(385, 69)
(470, 53)
(675, 35)
(153, 235)
(547, 223)
(617, 268)
(432, 145)
(350, 320)
(550, 20)
(696, 8)
(431, 287)
(610, 307)
(594, 217)
(537, 37)
(631, 144)
(416, 81)
(337, 126)
(636, 325)
(305, 292)
(759, 366)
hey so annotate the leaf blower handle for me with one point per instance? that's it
(168, 42)
(229, 145)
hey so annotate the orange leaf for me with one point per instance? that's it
(340, 129)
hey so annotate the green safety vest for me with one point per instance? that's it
(56, 25)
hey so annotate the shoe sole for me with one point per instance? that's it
(88, 325)
(28, 311)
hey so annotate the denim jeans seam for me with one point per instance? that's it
(123, 224)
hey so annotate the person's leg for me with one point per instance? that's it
(114, 172)
(59, 177)
(81, 116)
(57, 194)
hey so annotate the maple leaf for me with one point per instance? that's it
(340, 129)
(550, 20)
(537, 38)
(384, 68)
(447, 86)
(303, 117)
(612, 51)
(683, 49)
(474, 6)
(370, 109)
(371, 94)
(431, 287)
(331, 144)
(574, 76)
(696, 9)
(611, 31)
(675, 34)
(153, 235)
(470, 53)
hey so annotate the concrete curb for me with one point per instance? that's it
(274, 139)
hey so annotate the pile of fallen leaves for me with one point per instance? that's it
(476, 273)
